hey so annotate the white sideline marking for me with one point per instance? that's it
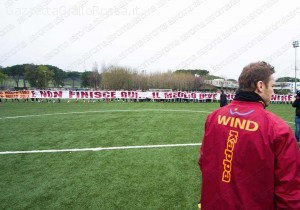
(120, 110)
(290, 122)
(98, 149)
(101, 111)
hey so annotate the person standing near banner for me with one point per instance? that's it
(249, 157)
(296, 104)
(223, 99)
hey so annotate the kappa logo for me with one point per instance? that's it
(227, 162)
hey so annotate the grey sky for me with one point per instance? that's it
(220, 36)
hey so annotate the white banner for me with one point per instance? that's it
(153, 95)
(123, 95)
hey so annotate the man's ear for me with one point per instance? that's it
(260, 86)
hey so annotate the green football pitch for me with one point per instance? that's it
(113, 155)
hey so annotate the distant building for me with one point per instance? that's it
(289, 86)
(222, 83)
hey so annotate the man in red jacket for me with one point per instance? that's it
(249, 157)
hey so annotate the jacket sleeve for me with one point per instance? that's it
(203, 142)
(287, 169)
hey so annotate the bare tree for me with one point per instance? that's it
(95, 77)
(116, 78)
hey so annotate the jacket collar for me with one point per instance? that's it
(249, 96)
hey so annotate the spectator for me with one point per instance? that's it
(296, 104)
(223, 99)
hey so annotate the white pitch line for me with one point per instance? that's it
(119, 110)
(98, 149)
(103, 111)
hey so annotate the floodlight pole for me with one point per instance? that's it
(295, 45)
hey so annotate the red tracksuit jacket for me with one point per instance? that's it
(249, 159)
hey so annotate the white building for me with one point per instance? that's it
(290, 86)
(222, 83)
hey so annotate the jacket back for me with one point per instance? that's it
(249, 160)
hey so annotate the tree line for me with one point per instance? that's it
(110, 78)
